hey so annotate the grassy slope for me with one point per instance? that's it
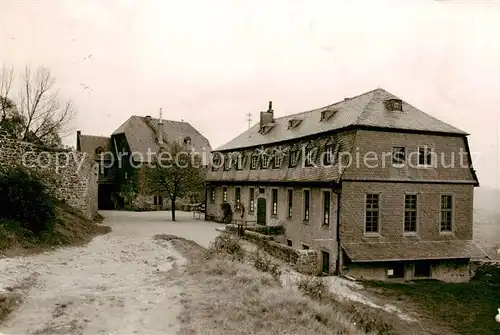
(469, 308)
(70, 228)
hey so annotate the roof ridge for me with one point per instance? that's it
(330, 105)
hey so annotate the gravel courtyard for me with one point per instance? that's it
(113, 285)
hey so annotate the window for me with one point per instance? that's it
(293, 123)
(446, 213)
(252, 199)
(227, 162)
(310, 155)
(275, 201)
(327, 114)
(289, 242)
(224, 194)
(294, 158)
(398, 155)
(305, 247)
(328, 155)
(254, 163)
(187, 140)
(394, 105)
(326, 208)
(264, 160)
(278, 158)
(237, 196)
(239, 161)
(422, 269)
(290, 202)
(306, 204)
(216, 161)
(410, 213)
(262, 190)
(396, 270)
(99, 150)
(424, 156)
(372, 213)
(212, 194)
(158, 200)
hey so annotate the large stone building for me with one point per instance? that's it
(377, 187)
(122, 157)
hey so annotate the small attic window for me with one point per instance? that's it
(266, 128)
(187, 140)
(394, 105)
(327, 114)
(293, 123)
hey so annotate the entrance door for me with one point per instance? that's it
(326, 262)
(261, 211)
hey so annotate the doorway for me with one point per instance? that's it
(326, 262)
(261, 211)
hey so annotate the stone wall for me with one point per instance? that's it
(303, 261)
(70, 175)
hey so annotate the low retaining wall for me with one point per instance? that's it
(303, 261)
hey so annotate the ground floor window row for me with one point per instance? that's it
(289, 201)
(410, 211)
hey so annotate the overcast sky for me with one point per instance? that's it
(212, 62)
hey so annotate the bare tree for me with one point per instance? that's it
(39, 115)
(176, 172)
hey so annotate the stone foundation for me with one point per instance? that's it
(71, 176)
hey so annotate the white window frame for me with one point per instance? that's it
(224, 193)
(427, 150)
(452, 210)
(417, 214)
(274, 205)
(254, 162)
(323, 224)
(303, 214)
(289, 209)
(239, 161)
(379, 225)
(251, 200)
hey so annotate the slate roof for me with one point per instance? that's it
(367, 109)
(140, 133)
(88, 143)
(420, 250)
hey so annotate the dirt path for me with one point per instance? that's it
(113, 285)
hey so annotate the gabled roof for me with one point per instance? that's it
(367, 110)
(141, 134)
(419, 250)
(88, 143)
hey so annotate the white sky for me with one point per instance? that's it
(212, 62)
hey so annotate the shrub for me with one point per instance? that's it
(314, 287)
(268, 230)
(266, 263)
(224, 245)
(25, 199)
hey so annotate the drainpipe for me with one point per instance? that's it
(206, 200)
(338, 270)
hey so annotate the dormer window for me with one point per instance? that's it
(254, 162)
(293, 123)
(264, 160)
(216, 161)
(327, 114)
(277, 158)
(329, 153)
(187, 140)
(294, 156)
(394, 105)
(310, 154)
(239, 161)
(266, 129)
(227, 163)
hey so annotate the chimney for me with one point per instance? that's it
(78, 133)
(267, 117)
(160, 128)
